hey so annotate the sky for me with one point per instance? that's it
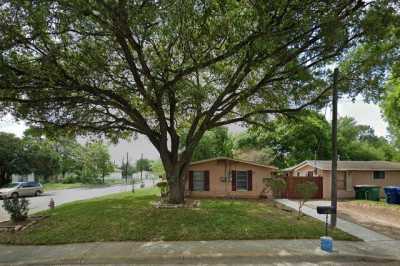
(364, 113)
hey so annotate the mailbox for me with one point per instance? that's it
(325, 210)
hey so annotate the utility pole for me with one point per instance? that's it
(122, 168)
(126, 168)
(141, 168)
(334, 148)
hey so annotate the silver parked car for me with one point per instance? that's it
(21, 189)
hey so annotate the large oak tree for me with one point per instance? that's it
(161, 68)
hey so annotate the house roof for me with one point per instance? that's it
(294, 166)
(234, 160)
(350, 165)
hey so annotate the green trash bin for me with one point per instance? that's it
(367, 192)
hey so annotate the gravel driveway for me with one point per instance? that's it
(69, 195)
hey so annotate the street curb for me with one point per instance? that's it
(216, 258)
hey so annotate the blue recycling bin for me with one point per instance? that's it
(392, 194)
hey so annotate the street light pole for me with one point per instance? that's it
(334, 148)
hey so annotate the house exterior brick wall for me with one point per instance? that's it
(220, 178)
(351, 179)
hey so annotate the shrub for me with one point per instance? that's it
(276, 185)
(17, 208)
(163, 185)
(305, 190)
(69, 180)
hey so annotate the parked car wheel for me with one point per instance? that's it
(14, 195)
(37, 193)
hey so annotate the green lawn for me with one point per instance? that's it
(56, 186)
(129, 216)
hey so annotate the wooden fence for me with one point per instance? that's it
(293, 181)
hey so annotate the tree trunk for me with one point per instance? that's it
(176, 192)
(176, 184)
(175, 174)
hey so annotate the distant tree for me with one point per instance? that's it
(69, 151)
(44, 161)
(143, 165)
(13, 159)
(127, 169)
(100, 159)
(291, 139)
(96, 162)
(359, 142)
(307, 136)
(215, 143)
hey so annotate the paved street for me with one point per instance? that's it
(226, 252)
(69, 195)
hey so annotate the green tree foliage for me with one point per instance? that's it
(17, 208)
(13, 159)
(391, 109)
(52, 159)
(160, 67)
(291, 139)
(69, 155)
(127, 169)
(143, 164)
(359, 142)
(215, 143)
(96, 161)
(158, 168)
(44, 161)
(308, 136)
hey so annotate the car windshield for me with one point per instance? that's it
(12, 185)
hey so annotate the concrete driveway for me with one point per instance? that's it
(69, 195)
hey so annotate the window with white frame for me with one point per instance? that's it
(198, 180)
(241, 180)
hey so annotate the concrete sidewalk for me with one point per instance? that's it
(226, 252)
(346, 226)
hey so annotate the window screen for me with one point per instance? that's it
(198, 180)
(241, 180)
(379, 174)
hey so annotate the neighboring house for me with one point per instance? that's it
(23, 178)
(226, 177)
(350, 173)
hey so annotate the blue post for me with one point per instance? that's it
(326, 243)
